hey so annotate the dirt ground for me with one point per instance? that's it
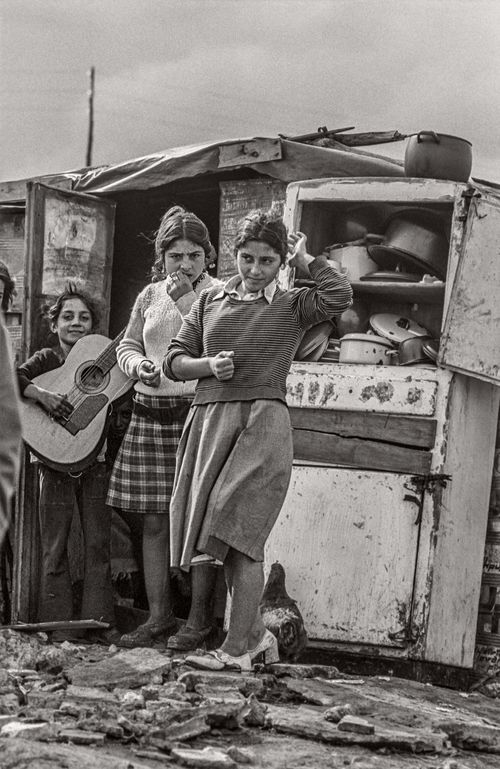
(141, 708)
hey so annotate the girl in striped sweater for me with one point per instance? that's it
(235, 456)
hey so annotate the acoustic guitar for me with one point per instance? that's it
(91, 381)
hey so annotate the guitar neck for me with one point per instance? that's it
(107, 359)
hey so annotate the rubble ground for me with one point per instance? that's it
(90, 707)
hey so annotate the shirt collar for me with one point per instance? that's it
(231, 287)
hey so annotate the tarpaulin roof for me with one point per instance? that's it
(298, 161)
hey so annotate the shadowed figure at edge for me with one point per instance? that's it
(282, 617)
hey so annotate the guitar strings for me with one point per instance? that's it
(102, 365)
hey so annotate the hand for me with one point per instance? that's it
(297, 248)
(55, 403)
(178, 284)
(149, 374)
(222, 365)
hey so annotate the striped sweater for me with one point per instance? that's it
(264, 336)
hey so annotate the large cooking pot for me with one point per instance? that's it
(353, 258)
(415, 238)
(366, 348)
(411, 351)
(438, 156)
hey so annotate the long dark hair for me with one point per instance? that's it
(178, 223)
(72, 291)
(265, 225)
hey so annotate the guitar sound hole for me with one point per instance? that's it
(90, 378)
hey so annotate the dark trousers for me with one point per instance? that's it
(58, 494)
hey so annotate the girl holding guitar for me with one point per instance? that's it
(72, 317)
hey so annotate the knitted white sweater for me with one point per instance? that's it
(154, 321)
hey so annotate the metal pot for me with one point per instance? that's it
(411, 351)
(415, 238)
(438, 156)
(353, 258)
(366, 348)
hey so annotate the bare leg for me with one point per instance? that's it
(155, 547)
(245, 579)
(203, 577)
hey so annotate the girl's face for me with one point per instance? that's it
(186, 256)
(74, 321)
(258, 264)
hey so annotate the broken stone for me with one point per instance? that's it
(245, 684)
(240, 755)
(42, 731)
(172, 690)
(336, 713)
(280, 669)
(130, 668)
(150, 693)
(307, 722)
(356, 725)
(89, 695)
(178, 732)
(132, 700)
(22, 753)
(315, 691)
(43, 699)
(208, 758)
(79, 737)
(472, 736)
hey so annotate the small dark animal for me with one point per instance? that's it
(282, 617)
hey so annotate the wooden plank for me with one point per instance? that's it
(15, 191)
(245, 153)
(471, 339)
(348, 542)
(355, 387)
(355, 452)
(461, 511)
(392, 428)
(392, 190)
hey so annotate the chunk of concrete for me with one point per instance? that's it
(208, 758)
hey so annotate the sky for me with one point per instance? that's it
(176, 72)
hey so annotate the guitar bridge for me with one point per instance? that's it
(82, 415)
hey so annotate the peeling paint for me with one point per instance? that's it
(383, 392)
(328, 393)
(313, 391)
(414, 394)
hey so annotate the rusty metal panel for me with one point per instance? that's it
(348, 542)
(244, 153)
(471, 339)
(382, 389)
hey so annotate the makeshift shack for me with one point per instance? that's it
(392, 597)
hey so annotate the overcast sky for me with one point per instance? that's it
(175, 72)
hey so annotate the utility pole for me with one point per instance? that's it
(90, 138)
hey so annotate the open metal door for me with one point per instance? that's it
(69, 236)
(470, 343)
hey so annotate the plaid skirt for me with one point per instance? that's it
(144, 469)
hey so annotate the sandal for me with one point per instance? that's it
(219, 660)
(146, 634)
(187, 639)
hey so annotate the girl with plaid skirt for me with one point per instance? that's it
(235, 456)
(143, 473)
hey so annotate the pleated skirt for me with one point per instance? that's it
(234, 464)
(143, 473)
